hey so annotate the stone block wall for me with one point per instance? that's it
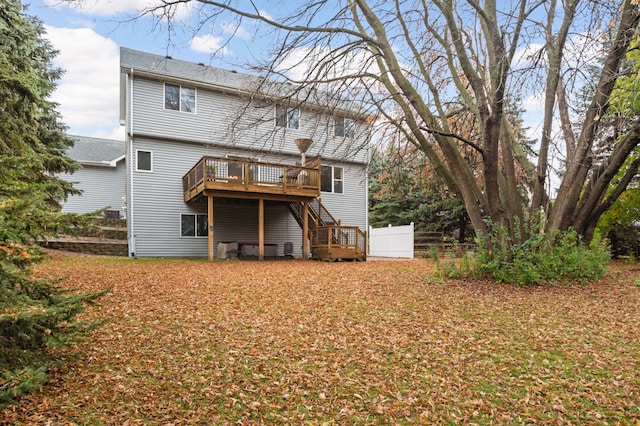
(109, 239)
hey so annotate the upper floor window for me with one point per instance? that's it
(287, 117)
(345, 127)
(332, 179)
(179, 98)
(144, 161)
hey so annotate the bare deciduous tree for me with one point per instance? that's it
(416, 65)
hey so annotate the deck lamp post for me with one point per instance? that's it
(303, 145)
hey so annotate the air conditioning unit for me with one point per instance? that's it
(112, 214)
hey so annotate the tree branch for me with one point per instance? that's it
(453, 135)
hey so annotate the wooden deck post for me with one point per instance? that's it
(305, 231)
(210, 226)
(261, 229)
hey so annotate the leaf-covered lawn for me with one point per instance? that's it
(191, 342)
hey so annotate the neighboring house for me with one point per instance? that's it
(101, 176)
(212, 159)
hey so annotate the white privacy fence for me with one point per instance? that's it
(392, 241)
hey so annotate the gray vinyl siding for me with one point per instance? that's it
(350, 207)
(234, 121)
(157, 205)
(178, 140)
(101, 186)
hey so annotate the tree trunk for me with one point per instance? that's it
(562, 214)
(589, 203)
(511, 198)
(555, 49)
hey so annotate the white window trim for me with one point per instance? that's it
(195, 98)
(288, 108)
(150, 160)
(344, 127)
(333, 180)
(195, 218)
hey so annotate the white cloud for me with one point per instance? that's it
(300, 62)
(208, 44)
(534, 102)
(88, 92)
(266, 15)
(296, 64)
(235, 30)
(115, 133)
(117, 7)
(583, 50)
(526, 55)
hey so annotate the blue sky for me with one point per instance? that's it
(88, 34)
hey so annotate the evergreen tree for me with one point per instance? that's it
(35, 314)
(403, 188)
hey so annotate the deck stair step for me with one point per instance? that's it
(329, 239)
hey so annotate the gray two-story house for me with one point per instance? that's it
(101, 176)
(216, 157)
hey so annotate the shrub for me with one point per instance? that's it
(537, 260)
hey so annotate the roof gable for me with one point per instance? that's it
(96, 151)
(176, 68)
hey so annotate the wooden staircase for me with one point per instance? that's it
(329, 239)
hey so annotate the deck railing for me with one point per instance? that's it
(251, 176)
(336, 242)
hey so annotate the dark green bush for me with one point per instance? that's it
(540, 259)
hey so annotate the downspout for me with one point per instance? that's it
(130, 207)
(366, 203)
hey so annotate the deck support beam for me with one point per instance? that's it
(261, 229)
(210, 226)
(305, 231)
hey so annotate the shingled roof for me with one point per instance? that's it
(96, 151)
(166, 67)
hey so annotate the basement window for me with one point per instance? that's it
(194, 225)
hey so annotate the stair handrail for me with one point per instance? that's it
(341, 236)
(322, 208)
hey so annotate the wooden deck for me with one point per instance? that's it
(249, 179)
(214, 177)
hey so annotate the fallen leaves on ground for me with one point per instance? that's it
(291, 342)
